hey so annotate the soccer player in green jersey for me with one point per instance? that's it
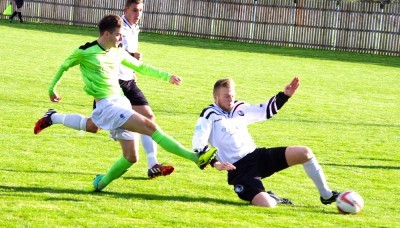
(133, 11)
(99, 63)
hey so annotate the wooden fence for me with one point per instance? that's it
(320, 24)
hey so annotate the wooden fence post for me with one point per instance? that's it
(379, 32)
(335, 26)
(293, 17)
(253, 21)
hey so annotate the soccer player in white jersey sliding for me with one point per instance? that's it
(224, 125)
(99, 63)
(133, 11)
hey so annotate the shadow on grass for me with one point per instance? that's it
(46, 172)
(378, 159)
(202, 43)
(362, 166)
(116, 195)
(338, 122)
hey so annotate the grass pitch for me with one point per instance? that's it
(347, 110)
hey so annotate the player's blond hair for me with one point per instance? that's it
(225, 82)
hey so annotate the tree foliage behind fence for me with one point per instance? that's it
(322, 24)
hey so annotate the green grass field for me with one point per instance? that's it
(347, 110)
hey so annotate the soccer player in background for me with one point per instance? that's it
(127, 79)
(224, 123)
(99, 63)
(18, 12)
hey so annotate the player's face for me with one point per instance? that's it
(115, 38)
(133, 13)
(225, 97)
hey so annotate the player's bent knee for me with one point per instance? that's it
(150, 125)
(298, 155)
(151, 117)
(264, 200)
(91, 127)
(308, 154)
(132, 159)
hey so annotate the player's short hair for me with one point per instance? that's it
(225, 82)
(130, 2)
(109, 23)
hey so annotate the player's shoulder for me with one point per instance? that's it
(88, 45)
(238, 104)
(209, 111)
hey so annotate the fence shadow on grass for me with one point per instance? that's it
(203, 43)
(52, 28)
(116, 195)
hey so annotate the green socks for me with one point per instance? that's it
(172, 146)
(119, 168)
(165, 141)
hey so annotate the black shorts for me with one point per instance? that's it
(261, 163)
(133, 93)
(19, 3)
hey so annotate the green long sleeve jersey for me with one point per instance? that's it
(100, 68)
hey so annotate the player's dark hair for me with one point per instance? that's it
(225, 82)
(109, 23)
(130, 2)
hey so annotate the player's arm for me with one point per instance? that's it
(271, 107)
(143, 68)
(276, 102)
(71, 61)
(201, 133)
(137, 55)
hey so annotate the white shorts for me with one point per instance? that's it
(111, 114)
(122, 134)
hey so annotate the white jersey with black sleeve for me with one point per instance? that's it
(228, 130)
(130, 42)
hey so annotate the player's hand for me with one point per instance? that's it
(291, 88)
(55, 98)
(224, 166)
(175, 80)
(137, 55)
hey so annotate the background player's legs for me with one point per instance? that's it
(147, 142)
(18, 12)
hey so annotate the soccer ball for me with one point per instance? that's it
(349, 202)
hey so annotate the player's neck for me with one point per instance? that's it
(103, 43)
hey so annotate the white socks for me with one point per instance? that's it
(314, 171)
(151, 150)
(74, 121)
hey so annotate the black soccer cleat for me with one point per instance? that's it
(332, 199)
(278, 199)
